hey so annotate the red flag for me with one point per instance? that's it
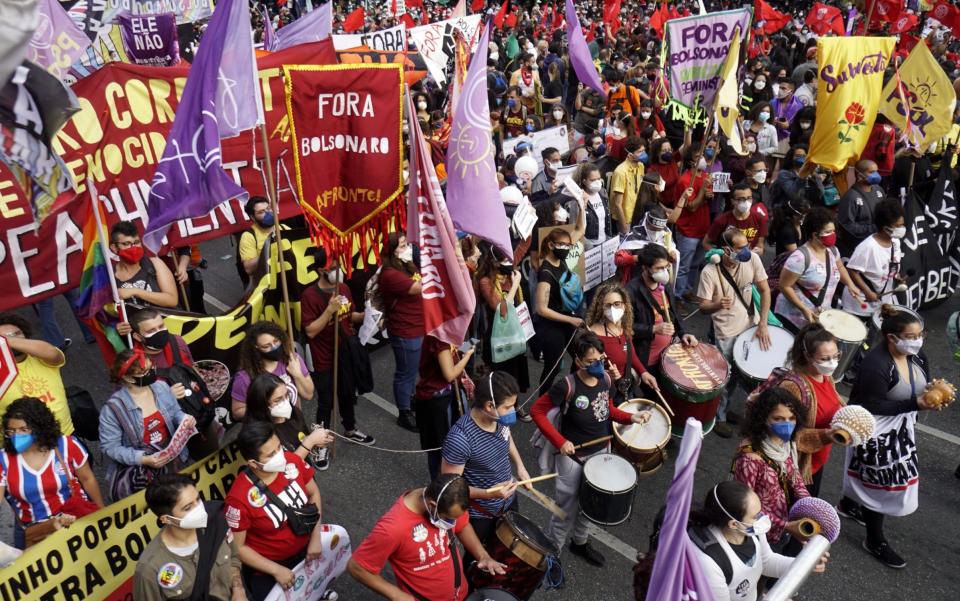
(773, 20)
(414, 4)
(546, 15)
(904, 23)
(476, 5)
(407, 20)
(557, 20)
(354, 21)
(823, 18)
(906, 43)
(882, 11)
(673, 12)
(611, 15)
(944, 12)
(592, 33)
(659, 19)
(511, 20)
(501, 14)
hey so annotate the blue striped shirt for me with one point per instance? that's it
(485, 457)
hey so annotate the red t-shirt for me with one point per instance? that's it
(404, 311)
(431, 380)
(155, 431)
(828, 403)
(660, 341)
(248, 510)
(753, 227)
(670, 174)
(313, 302)
(692, 224)
(615, 348)
(418, 552)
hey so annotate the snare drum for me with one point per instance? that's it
(524, 548)
(754, 364)
(643, 444)
(692, 380)
(850, 333)
(607, 488)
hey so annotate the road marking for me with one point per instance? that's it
(939, 434)
(215, 302)
(593, 530)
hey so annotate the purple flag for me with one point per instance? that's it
(269, 36)
(311, 27)
(220, 99)
(677, 573)
(580, 53)
(150, 39)
(57, 42)
(473, 195)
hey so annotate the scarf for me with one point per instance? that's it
(778, 453)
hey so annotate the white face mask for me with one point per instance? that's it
(555, 165)
(804, 125)
(282, 410)
(760, 85)
(194, 519)
(595, 186)
(406, 254)
(275, 464)
(494, 55)
(760, 177)
(334, 276)
(613, 314)
(422, 105)
(702, 164)
(654, 235)
(909, 347)
(896, 232)
(558, 115)
(561, 215)
(661, 277)
(827, 368)
(743, 207)
(751, 148)
(645, 114)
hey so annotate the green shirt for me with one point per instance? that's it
(161, 574)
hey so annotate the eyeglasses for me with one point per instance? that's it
(914, 337)
(614, 305)
(12, 432)
(122, 245)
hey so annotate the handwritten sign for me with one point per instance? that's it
(312, 578)
(721, 181)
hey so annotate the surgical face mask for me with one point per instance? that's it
(645, 114)
(805, 125)
(666, 156)
(595, 186)
(555, 165)
(654, 235)
(434, 514)
(751, 147)
(709, 153)
(275, 464)
(157, 340)
(896, 232)
(909, 347)
(561, 215)
(661, 276)
(558, 115)
(193, 519)
(643, 157)
(422, 105)
(764, 117)
(759, 528)
(529, 127)
(827, 368)
(406, 254)
(282, 410)
(512, 102)
(596, 369)
(760, 85)
(494, 55)
(22, 442)
(799, 159)
(783, 430)
(507, 419)
(784, 94)
(760, 177)
(334, 276)
(614, 314)
(743, 206)
(267, 220)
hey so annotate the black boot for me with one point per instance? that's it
(407, 420)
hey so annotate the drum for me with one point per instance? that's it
(490, 594)
(754, 364)
(524, 548)
(644, 445)
(850, 333)
(876, 320)
(607, 488)
(691, 380)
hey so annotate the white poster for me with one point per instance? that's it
(312, 578)
(721, 181)
(526, 321)
(435, 41)
(609, 254)
(524, 218)
(593, 267)
(552, 137)
(393, 40)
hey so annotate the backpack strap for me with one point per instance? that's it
(736, 290)
(704, 541)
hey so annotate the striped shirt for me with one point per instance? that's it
(485, 457)
(37, 495)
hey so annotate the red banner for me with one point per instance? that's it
(346, 139)
(117, 138)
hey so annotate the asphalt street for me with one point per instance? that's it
(362, 482)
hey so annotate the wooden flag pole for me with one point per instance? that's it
(336, 362)
(105, 249)
(183, 289)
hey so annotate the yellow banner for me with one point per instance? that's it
(849, 83)
(930, 96)
(727, 101)
(95, 557)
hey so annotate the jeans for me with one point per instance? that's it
(406, 352)
(691, 256)
(49, 328)
(725, 346)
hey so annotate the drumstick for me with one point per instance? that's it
(590, 443)
(666, 405)
(636, 431)
(522, 482)
(549, 503)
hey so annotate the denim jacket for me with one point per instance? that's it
(114, 441)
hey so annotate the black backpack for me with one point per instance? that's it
(83, 413)
(198, 403)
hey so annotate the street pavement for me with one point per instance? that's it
(362, 483)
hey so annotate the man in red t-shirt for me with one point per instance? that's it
(742, 217)
(692, 217)
(414, 537)
(318, 304)
(267, 545)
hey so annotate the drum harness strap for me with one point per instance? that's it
(736, 290)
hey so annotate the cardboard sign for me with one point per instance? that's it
(524, 218)
(720, 181)
(552, 137)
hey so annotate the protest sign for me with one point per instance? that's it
(340, 116)
(88, 16)
(95, 557)
(436, 44)
(107, 47)
(393, 39)
(524, 218)
(57, 41)
(117, 138)
(552, 137)
(697, 48)
(312, 578)
(526, 321)
(929, 94)
(610, 247)
(150, 40)
(177, 442)
(720, 181)
(593, 267)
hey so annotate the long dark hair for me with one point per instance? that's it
(251, 361)
(726, 497)
(754, 426)
(38, 418)
(390, 261)
(258, 399)
(785, 213)
(893, 321)
(805, 344)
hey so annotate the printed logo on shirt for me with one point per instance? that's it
(291, 471)
(292, 496)
(170, 575)
(743, 588)
(156, 437)
(233, 518)
(419, 533)
(581, 402)
(256, 498)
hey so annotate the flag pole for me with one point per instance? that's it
(275, 207)
(183, 289)
(336, 363)
(95, 207)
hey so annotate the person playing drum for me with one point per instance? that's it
(414, 536)
(875, 264)
(726, 295)
(584, 409)
(480, 446)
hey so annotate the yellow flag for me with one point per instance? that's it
(930, 97)
(849, 82)
(727, 103)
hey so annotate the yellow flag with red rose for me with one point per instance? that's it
(849, 82)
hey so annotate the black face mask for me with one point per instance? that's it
(158, 340)
(561, 253)
(274, 354)
(505, 269)
(146, 379)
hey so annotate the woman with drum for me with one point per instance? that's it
(610, 317)
(584, 403)
(767, 461)
(811, 273)
(875, 263)
(891, 385)
(733, 551)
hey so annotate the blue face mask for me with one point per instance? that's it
(21, 442)
(596, 369)
(743, 255)
(799, 160)
(508, 419)
(267, 220)
(511, 103)
(644, 158)
(874, 178)
(709, 153)
(528, 127)
(783, 430)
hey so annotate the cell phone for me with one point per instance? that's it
(467, 345)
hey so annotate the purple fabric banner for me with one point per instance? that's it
(57, 42)
(312, 27)
(220, 99)
(150, 40)
(473, 196)
(269, 35)
(580, 54)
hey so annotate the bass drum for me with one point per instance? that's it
(692, 379)
(752, 363)
(607, 488)
(526, 551)
(850, 333)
